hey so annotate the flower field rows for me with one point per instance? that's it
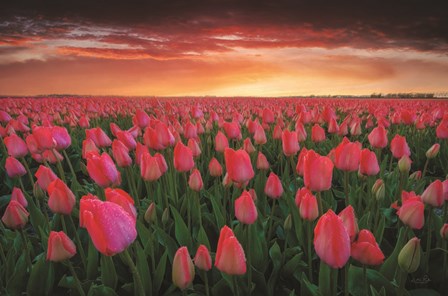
(220, 196)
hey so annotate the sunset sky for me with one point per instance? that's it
(223, 48)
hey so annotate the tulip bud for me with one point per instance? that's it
(226, 181)
(38, 192)
(379, 189)
(433, 151)
(84, 168)
(151, 213)
(195, 180)
(202, 259)
(287, 225)
(15, 216)
(183, 269)
(444, 231)
(18, 196)
(273, 187)
(245, 209)
(165, 216)
(404, 164)
(433, 194)
(60, 247)
(409, 257)
(417, 175)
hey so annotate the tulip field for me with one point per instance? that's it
(223, 196)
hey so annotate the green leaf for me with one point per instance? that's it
(379, 231)
(92, 261)
(203, 238)
(143, 268)
(143, 232)
(326, 275)
(41, 279)
(168, 242)
(160, 273)
(293, 264)
(15, 283)
(276, 258)
(423, 292)
(217, 211)
(181, 232)
(374, 278)
(307, 288)
(390, 265)
(108, 274)
(101, 291)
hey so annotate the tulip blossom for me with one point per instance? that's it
(433, 194)
(230, 257)
(300, 162)
(317, 133)
(61, 199)
(102, 170)
(195, 180)
(317, 171)
(290, 143)
(238, 165)
(347, 155)
(245, 209)
(61, 137)
(44, 177)
(350, 222)
(399, 147)
(16, 146)
(99, 137)
(368, 164)
(412, 211)
(14, 168)
(215, 168)
(121, 198)
(308, 208)
(60, 247)
(409, 256)
(433, 151)
(149, 167)
(331, 240)
(366, 250)
(259, 135)
(183, 158)
(221, 142)
(18, 196)
(262, 162)
(15, 216)
(110, 227)
(121, 154)
(202, 259)
(273, 187)
(444, 231)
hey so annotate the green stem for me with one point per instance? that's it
(236, 291)
(25, 249)
(271, 219)
(364, 274)
(207, 288)
(428, 241)
(59, 166)
(138, 285)
(390, 162)
(77, 282)
(198, 194)
(346, 267)
(77, 239)
(132, 186)
(401, 288)
(30, 176)
(333, 281)
(444, 259)
(72, 171)
(425, 168)
(347, 199)
(310, 255)
(249, 261)
(319, 199)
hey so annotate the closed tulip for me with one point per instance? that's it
(331, 240)
(366, 250)
(248, 146)
(110, 227)
(433, 151)
(444, 231)
(232, 130)
(399, 147)
(409, 256)
(16, 146)
(378, 137)
(245, 209)
(14, 168)
(61, 199)
(262, 162)
(221, 142)
(89, 147)
(60, 247)
(290, 143)
(350, 222)
(317, 171)
(317, 134)
(61, 137)
(300, 162)
(183, 158)
(183, 269)
(433, 194)
(273, 187)
(202, 259)
(121, 154)
(368, 164)
(127, 139)
(412, 211)
(99, 137)
(308, 208)
(404, 164)
(259, 135)
(44, 138)
(15, 216)
(121, 198)
(149, 167)
(195, 180)
(347, 155)
(215, 168)
(238, 165)
(141, 119)
(194, 146)
(230, 257)
(44, 177)
(18, 196)
(102, 170)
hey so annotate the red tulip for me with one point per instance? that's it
(350, 222)
(183, 158)
(61, 137)
(331, 240)
(221, 142)
(368, 164)
(300, 162)
(248, 146)
(230, 257)
(127, 139)
(317, 133)
(89, 147)
(110, 227)
(83, 122)
(262, 162)
(52, 156)
(121, 154)
(347, 155)
(333, 127)
(60, 247)
(308, 208)
(232, 130)
(268, 116)
(15, 216)
(378, 137)
(44, 138)
(399, 147)
(14, 168)
(259, 135)
(32, 144)
(16, 146)
(190, 131)
(301, 132)
(194, 146)
(195, 180)
(99, 137)
(433, 194)
(159, 137)
(61, 199)
(183, 269)
(121, 198)
(18, 196)
(412, 211)
(202, 259)
(139, 151)
(442, 130)
(44, 177)
(245, 209)
(149, 167)
(273, 187)
(366, 250)
(141, 119)
(238, 165)
(277, 133)
(317, 171)
(433, 151)
(290, 143)
(102, 170)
